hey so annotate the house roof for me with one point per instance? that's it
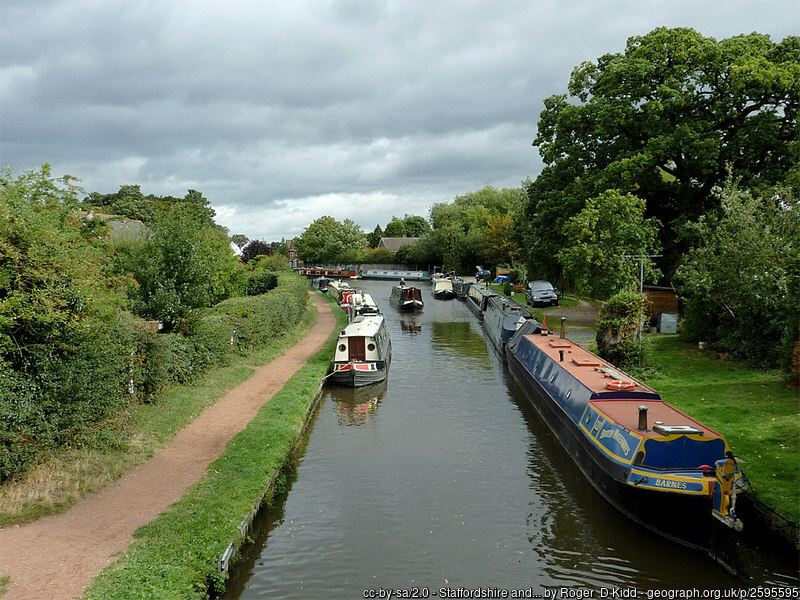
(393, 244)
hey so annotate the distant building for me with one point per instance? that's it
(291, 252)
(393, 244)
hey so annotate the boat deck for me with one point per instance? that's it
(662, 419)
(588, 368)
(619, 406)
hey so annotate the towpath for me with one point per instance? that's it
(57, 557)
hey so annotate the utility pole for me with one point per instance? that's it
(641, 258)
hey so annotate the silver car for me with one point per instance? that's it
(541, 293)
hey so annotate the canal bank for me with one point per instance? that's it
(58, 556)
(183, 552)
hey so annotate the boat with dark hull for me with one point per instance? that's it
(502, 318)
(663, 469)
(406, 298)
(363, 352)
(460, 287)
(477, 297)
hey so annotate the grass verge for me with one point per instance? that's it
(130, 438)
(754, 409)
(175, 555)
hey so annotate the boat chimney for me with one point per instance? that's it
(563, 327)
(560, 356)
(642, 418)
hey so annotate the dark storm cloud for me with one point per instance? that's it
(272, 106)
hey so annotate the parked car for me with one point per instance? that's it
(482, 273)
(541, 293)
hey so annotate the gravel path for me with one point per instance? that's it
(57, 557)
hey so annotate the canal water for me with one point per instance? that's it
(443, 478)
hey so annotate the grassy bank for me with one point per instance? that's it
(175, 555)
(104, 452)
(754, 409)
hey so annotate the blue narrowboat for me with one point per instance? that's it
(662, 468)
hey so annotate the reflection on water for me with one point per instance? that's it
(356, 405)
(411, 323)
(450, 478)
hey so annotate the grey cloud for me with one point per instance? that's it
(262, 103)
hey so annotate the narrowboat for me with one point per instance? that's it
(460, 287)
(337, 289)
(502, 318)
(358, 303)
(320, 283)
(660, 467)
(477, 297)
(406, 298)
(442, 287)
(363, 352)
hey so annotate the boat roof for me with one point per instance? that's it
(588, 368)
(363, 325)
(662, 419)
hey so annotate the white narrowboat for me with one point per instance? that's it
(363, 352)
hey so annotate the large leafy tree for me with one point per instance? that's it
(54, 268)
(326, 240)
(459, 234)
(602, 240)
(665, 120)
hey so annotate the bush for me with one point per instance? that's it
(260, 282)
(618, 328)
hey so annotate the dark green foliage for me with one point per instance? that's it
(374, 238)
(740, 282)
(508, 288)
(185, 265)
(665, 120)
(260, 282)
(395, 228)
(619, 328)
(255, 248)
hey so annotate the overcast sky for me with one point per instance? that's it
(280, 112)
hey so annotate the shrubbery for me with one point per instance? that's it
(64, 391)
(70, 352)
(619, 328)
(260, 282)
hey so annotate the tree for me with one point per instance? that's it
(664, 120)
(195, 197)
(255, 248)
(501, 240)
(327, 240)
(416, 226)
(739, 283)
(460, 227)
(54, 268)
(374, 238)
(186, 264)
(240, 239)
(598, 239)
(395, 228)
